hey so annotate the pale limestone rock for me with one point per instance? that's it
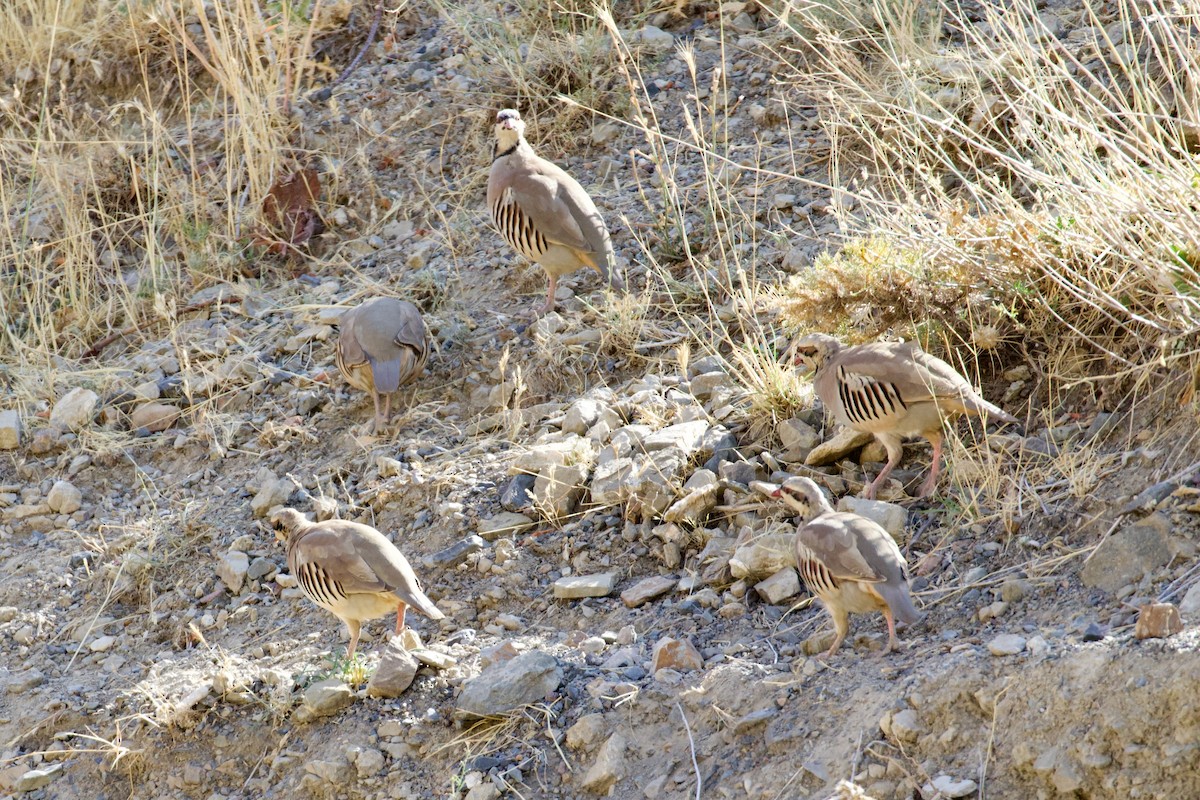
(578, 586)
(75, 409)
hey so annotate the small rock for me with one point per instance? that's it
(102, 643)
(1189, 607)
(592, 645)
(36, 779)
(455, 553)
(646, 590)
(609, 767)
(64, 498)
(654, 38)
(904, 726)
(10, 429)
(843, 444)
(1015, 589)
(497, 654)
(368, 761)
(764, 556)
(153, 417)
(274, 492)
(582, 415)
(891, 517)
(232, 570)
(1006, 644)
(75, 409)
(798, 439)
(484, 791)
(322, 699)
(577, 586)
(677, 654)
(572, 450)
(754, 719)
(396, 671)
(685, 436)
(694, 508)
(506, 523)
(1094, 632)
(1129, 554)
(779, 587)
(328, 771)
(433, 658)
(559, 488)
(948, 787)
(1158, 621)
(704, 384)
(45, 440)
(526, 679)
(586, 732)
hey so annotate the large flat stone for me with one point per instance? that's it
(843, 444)
(646, 590)
(578, 586)
(1129, 554)
(510, 684)
(889, 516)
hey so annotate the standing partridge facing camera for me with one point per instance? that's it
(849, 562)
(383, 345)
(542, 212)
(350, 570)
(891, 390)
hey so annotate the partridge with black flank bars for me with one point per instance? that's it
(351, 570)
(542, 212)
(849, 562)
(383, 345)
(891, 390)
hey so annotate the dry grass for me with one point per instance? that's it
(140, 148)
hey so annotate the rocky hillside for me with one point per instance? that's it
(624, 617)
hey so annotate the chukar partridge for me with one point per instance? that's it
(351, 570)
(848, 562)
(543, 212)
(383, 345)
(892, 390)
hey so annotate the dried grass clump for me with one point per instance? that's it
(530, 55)
(138, 147)
(1050, 163)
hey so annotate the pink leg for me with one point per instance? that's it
(893, 642)
(377, 423)
(387, 410)
(894, 450)
(355, 627)
(400, 618)
(930, 483)
(549, 306)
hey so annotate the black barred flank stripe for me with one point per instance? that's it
(317, 586)
(518, 230)
(817, 577)
(873, 400)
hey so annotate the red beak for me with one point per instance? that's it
(777, 493)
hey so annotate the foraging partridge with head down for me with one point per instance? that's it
(383, 345)
(351, 570)
(891, 390)
(849, 562)
(543, 212)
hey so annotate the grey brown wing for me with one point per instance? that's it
(833, 538)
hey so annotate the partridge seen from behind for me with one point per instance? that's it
(542, 212)
(848, 562)
(891, 390)
(383, 345)
(350, 570)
